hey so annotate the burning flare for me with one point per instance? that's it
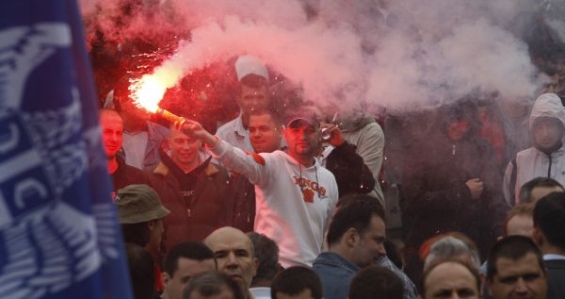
(148, 92)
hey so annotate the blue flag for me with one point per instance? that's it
(59, 233)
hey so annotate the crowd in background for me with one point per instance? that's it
(291, 199)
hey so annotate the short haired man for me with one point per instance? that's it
(516, 269)
(267, 254)
(451, 279)
(253, 80)
(212, 285)
(235, 256)
(112, 138)
(355, 240)
(296, 223)
(545, 158)
(265, 131)
(376, 281)
(297, 283)
(193, 187)
(182, 263)
(537, 188)
(549, 235)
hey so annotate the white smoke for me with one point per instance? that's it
(396, 54)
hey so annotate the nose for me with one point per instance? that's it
(231, 260)
(521, 287)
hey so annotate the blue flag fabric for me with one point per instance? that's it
(59, 233)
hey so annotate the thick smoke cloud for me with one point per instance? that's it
(397, 54)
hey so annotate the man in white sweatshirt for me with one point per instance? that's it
(295, 195)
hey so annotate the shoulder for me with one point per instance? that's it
(227, 127)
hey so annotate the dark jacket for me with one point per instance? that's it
(127, 175)
(208, 206)
(350, 172)
(555, 279)
(436, 198)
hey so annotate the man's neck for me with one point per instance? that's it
(549, 249)
(305, 161)
(342, 252)
(112, 165)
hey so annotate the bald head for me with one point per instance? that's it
(234, 253)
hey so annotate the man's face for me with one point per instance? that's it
(522, 278)
(451, 281)
(186, 269)
(457, 129)
(539, 192)
(112, 132)
(302, 139)
(521, 225)
(371, 243)
(252, 99)
(233, 252)
(184, 150)
(264, 134)
(547, 132)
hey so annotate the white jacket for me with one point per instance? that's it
(532, 163)
(294, 217)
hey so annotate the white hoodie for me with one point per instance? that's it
(294, 217)
(532, 163)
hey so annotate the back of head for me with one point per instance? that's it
(549, 218)
(295, 280)
(523, 210)
(528, 187)
(450, 248)
(376, 282)
(267, 254)
(353, 211)
(141, 271)
(513, 248)
(212, 284)
(191, 250)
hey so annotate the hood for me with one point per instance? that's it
(547, 105)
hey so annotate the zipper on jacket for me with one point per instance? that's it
(453, 150)
(549, 169)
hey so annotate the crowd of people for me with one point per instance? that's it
(289, 203)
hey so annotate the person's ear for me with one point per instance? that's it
(351, 237)
(165, 278)
(166, 145)
(538, 237)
